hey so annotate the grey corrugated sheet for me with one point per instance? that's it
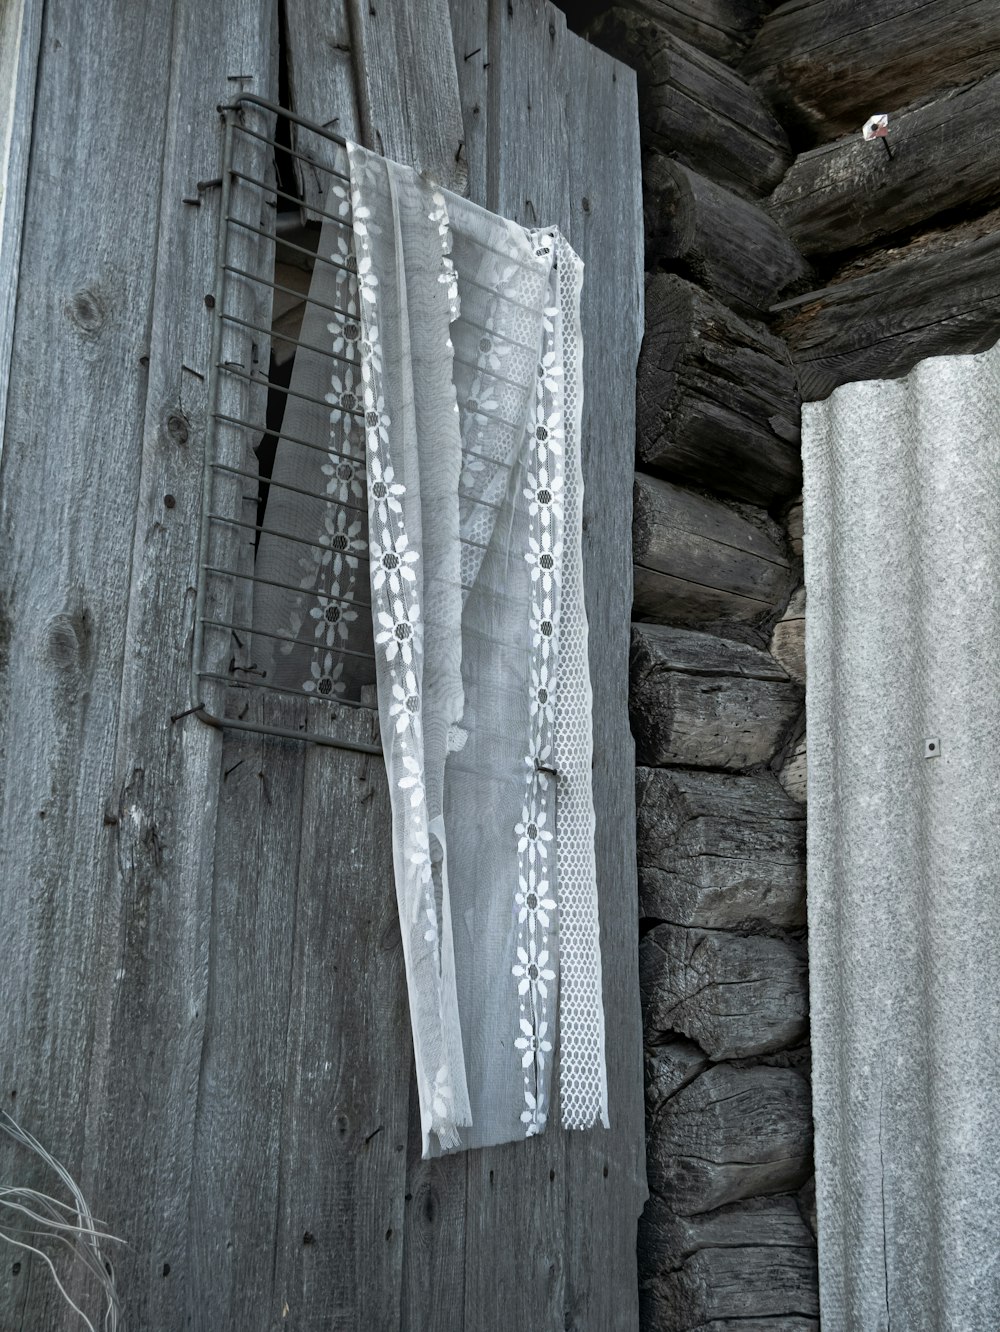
(902, 554)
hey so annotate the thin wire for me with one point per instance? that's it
(233, 368)
(280, 689)
(299, 249)
(291, 291)
(294, 342)
(292, 152)
(283, 194)
(288, 587)
(284, 638)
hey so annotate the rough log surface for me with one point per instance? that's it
(723, 242)
(791, 770)
(937, 295)
(734, 995)
(719, 850)
(697, 561)
(694, 108)
(666, 1239)
(716, 398)
(732, 1133)
(824, 64)
(706, 702)
(671, 1065)
(788, 637)
(720, 28)
(766, 1281)
(850, 193)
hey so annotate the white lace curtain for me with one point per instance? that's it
(444, 449)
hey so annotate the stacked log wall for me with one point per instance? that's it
(785, 256)
(717, 692)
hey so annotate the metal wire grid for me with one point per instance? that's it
(226, 685)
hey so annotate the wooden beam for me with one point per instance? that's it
(734, 995)
(788, 637)
(716, 399)
(707, 702)
(851, 193)
(719, 240)
(698, 561)
(729, 1134)
(694, 108)
(722, 29)
(720, 850)
(937, 295)
(666, 1239)
(825, 65)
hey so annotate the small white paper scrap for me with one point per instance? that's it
(876, 127)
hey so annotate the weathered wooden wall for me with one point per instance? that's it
(716, 701)
(202, 983)
(829, 260)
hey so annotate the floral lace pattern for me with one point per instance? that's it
(447, 441)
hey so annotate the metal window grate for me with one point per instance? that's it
(277, 168)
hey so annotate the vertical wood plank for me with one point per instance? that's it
(234, 1205)
(20, 36)
(68, 501)
(407, 86)
(605, 1172)
(321, 85)
(344, 1126)
(470, 26)
(168, 774)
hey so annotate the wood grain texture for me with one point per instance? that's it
(720, 850)
(322, 86)
(123, 801)
(667, 1239)
(707, 702)
(716, 399)
(407, 86)
(720, 28)
(788, 637)
(697, 561)
(558, 130)
(823, 64)
(734, 995)
(850, 193)
(20, 38)
(729, 245)
(769, 1282)
(936, 295)
(731, 1133)
(695, 109)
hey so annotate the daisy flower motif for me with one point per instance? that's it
(332, 618)
(532, 970)
(539, 762)
(532, 834)
(398, 632)
(326, 679)
(392, 563)
(367, 281)
(532, 1044)
(491, 352)
(413, 781)
(384, 489)
(346, 477)
(544, 495)
(478, 405)
(549, 372)
(342, 541)
(543, 689)
(531, 1116)
(549, 315)
(431, 932)
(543, 627)
(544, 557)
(376, 419)
(548, 432)
(405, 707)
(534, 903)
(344, 396)
(347, 333)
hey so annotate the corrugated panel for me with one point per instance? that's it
(902, 555)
